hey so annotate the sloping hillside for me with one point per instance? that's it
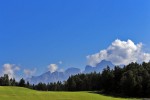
(18, 93)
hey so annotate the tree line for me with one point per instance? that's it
(132, 80)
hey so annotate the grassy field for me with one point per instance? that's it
(18, 93)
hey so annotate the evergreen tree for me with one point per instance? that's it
(107, 79)
(6, 80)
(22, 83)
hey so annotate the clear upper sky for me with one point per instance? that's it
(36, 33)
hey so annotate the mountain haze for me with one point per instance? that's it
(54, 76)
(99, 67)
(62, 76)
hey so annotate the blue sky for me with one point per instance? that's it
(36, 33)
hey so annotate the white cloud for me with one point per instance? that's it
(120, 52)
(10, 69)
(60, 62)
(52, 67)
(29, 72)
(17, 68)
(61, 70)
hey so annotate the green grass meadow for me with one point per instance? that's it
(18, 93)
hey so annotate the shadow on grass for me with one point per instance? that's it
(116, 95)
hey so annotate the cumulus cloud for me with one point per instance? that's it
(120, 52)
(60, 62)
(52, 67)
(10, 69)
(29, 72)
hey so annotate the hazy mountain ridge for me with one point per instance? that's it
(53, 77)
(99, 67)
(62, 76)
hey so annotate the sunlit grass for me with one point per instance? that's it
(18, 93)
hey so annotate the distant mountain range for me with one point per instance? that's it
(62, 76)
(99, 67)
(53, 77)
